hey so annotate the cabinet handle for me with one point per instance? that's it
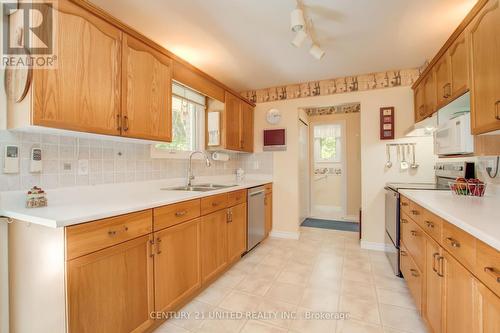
(125, 123)
(118, 122)
(429, 224)
(493, 272)
(229, 216)
(215, 204)
(447, 90)
(434, 262)
(181, 213)
(404, 204)
(497, 111)
(404, 221)
(415, 212)
(414, 272)
(158, 241)
(151, 251)
(441, 266)
(453, 242)
(403, 253)
(113, 233)
(414, 233)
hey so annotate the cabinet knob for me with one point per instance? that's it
(215, 204)
(415, 212)
(429, 224)
(493, 272)
(125, 123)
(404, 221)
(403, 253)
(404, 204)
(414, 272)
(453, 242)
(181, 213)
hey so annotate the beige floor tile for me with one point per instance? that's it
(168, 327)
(358, 289)
(213, 295)
(287, 276)
(285, 292)
(281, 312)
(364, 310)
(239, 301)
(395, 297)
(320, 299)
(390, 282)
(255, 326)
(396, 317)
(195, 311)
(265, 271)
(354, 326)
(229, 279)
(304, 324)
(254, 285)
(356, 275)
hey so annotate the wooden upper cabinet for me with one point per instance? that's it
(147, 92)
(459, 66)
(191, 78)
(111, 291)
(236, 231)
(419, 103)
(232, 122)
(177, 264)
(443, 84)
(83, 92)
(430, 99)
(485, 69)
(246, 127)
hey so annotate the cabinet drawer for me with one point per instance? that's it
(460, 244)
(488, 266)
(170, 215)
(93, 236)
(268, 187)
(236, 197)
(413, 276)
(413, 237)
(213, 203)
(404, 205)
(416, 213)
(431, 224)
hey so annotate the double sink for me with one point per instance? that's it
(198, 187)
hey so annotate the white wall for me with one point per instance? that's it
(374, 176)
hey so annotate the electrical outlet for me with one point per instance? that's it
(83, 167)
(67, 166)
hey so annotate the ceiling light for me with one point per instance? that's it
(299, 38)
(297, 21)
(316, 51)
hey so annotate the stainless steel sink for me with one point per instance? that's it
(197, 188)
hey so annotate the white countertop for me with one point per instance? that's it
(69, 206)
(479, 217)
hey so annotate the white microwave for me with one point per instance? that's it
(454, 137)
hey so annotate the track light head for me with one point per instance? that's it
(316, 51)
(297, 22)
(299, 38)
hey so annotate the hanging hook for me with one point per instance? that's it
(488, 169)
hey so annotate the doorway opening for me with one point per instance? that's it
(334, 168)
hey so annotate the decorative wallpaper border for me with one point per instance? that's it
(363, 82)
(337, 109)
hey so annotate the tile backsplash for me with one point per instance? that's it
(109, 161)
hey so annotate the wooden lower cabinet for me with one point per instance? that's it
(177, 272)
(268, 206)
(111, 291)
(213, 244)
(487, 309)
(236, 232)
(432, 305)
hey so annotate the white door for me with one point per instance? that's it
(328, 171)
(304, 170)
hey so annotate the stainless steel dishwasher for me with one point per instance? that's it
(256, 216)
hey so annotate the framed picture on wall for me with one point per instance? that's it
(387, 123)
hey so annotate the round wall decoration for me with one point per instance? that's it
(273, 116)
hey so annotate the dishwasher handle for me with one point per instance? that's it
(256, 193)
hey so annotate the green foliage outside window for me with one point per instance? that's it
(328, 147)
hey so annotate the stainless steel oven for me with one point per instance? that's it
(392, 228)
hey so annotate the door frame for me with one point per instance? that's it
(308, 171)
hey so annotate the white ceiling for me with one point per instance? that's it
(246, 43)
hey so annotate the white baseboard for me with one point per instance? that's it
(373, 246)
(284, 234)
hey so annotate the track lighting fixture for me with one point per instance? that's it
(297, 22)
(316, 51)
(299, 38)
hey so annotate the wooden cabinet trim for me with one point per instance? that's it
(170, 215)
(213, 203)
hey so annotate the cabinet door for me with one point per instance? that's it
(236, 231)
(213, 244)
(434, 288)
(487, 313)
(246, 127)
(485, 69)
(459, 66)
(268, 202)
(419, 102)
(83, 92)
(177, 264)
(443, 84)
(430, 98)
(111, 291)
(232, 122)
(147, 92)
(458, 295)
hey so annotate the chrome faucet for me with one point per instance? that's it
(190, 175)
